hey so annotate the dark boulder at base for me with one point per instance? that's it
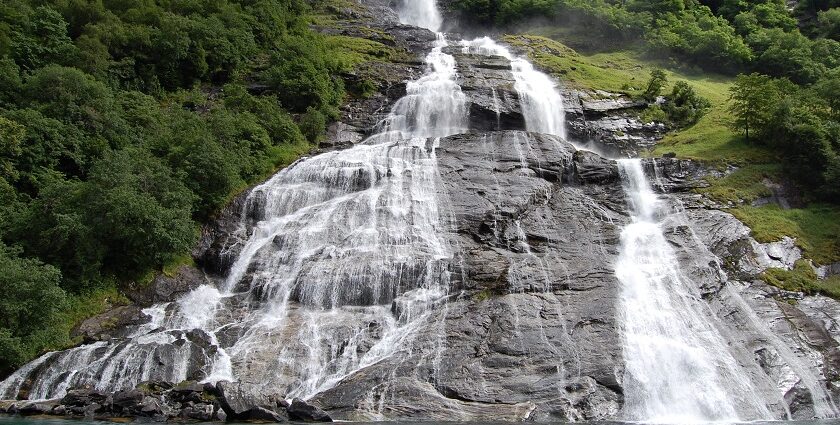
(262, 414)
(238, 401)
(45, 407)
(300, 410)
(83, 397)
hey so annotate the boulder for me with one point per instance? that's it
(237, 399)
(592, 168)
(37, 408)
(300, 410)
(202, 413)
(127, 400)
(83, 397)
(262, 414)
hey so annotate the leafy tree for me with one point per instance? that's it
(70, 95)
(313, 124)
(764, 15)
(829, 23)
(140, 209)
(827, 89)
(804, 140)
(50, 145)
(55, 228)
(11, 136)
(826, 52)
(245, 140)
(278, 123)
(31, 298)
(656, 7)
(657, 81)
(40, 39)
(754, 98)
(831, 189)
(788, 55)
(684, 106)
(307, 80)
(10, 82)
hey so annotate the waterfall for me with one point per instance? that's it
(541, 102)
(678, 369)
(346, 257)
(420, 13)
(343, 261)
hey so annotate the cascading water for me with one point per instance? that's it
(678, 369)
(346, 258)
(421, 13)
(541, 102)
(342, 262)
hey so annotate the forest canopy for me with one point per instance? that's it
(789, 61)
(125, 124)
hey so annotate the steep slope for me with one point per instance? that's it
(467, 262)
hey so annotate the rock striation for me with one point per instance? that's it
(527, 231)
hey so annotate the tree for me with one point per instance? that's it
(11, 136)
(657, 81)
(753, 98)
(313, 124)
(9, 81)
(76, 98)
(42, 39)
(829, 23)
(684, 106)
(139, 211)
(30, 298)
(656, 7)
(804, 140)
(786, 54)
(827, 89)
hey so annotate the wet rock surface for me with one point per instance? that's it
(530, 328)
(164, 401)
(521, 343)
(611, 121)
(489, 85)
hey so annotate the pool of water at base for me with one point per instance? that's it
(17, 420)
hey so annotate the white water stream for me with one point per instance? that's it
(539, 98)
(678, 369)
(343, 260)
(341, 263)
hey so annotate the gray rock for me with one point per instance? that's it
(601, 102)
(165, 289)
(151, 406)
(262, 414)
(237, 399)
(592, 168)
(202, 413)
(341, 135)
(488, 83)
(782, 254)
(115, 323)
(300, 410)
(83, 397)
(127, 399)
(37, 408)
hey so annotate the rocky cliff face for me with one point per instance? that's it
(529, 327)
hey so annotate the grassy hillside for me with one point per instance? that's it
(816, 227)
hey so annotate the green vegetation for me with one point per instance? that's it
(782, 120)
(746, 184)
(717, 35)
(815, 228)
(803, 279)
(125, 125)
